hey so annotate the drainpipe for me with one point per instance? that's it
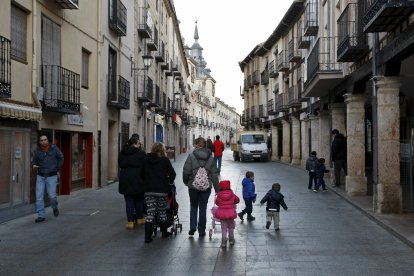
(374, 120)
(34, 57)
(98, 84)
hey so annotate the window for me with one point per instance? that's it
(85, 68)
(18, 33)
(124, 133)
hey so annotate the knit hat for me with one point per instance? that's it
(224, 185)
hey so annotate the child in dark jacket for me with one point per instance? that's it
(274, 199)
(319, 173)
(311, 163)
(226, 202)
(249, 196)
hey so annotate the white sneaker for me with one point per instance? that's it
(223, 243)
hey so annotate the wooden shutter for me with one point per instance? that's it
(18, 33)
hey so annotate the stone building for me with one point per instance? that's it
(340, 65)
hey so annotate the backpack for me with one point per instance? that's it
(201, 182)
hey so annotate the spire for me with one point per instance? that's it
(196, 31)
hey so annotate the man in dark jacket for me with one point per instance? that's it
(131, 160)
(338, 154)
(200, 157)
(47, 160)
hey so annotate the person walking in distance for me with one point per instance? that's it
(249, 196)
(47, 160)
(311, 163)
(131, 160)
(210, 145)
(338, 154)
(218, 152)
(273, 199)
(226, 202)
(199, 169)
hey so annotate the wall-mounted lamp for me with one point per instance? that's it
(147, 59)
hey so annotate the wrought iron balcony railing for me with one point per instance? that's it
(61, 90)
(303, 41)
(385, 15)
(352, 41)
(119, 93)
(5, 68)
(160, 54)
(68, 4)
(156, 101)
(152, 42)
(273, 73)
(144, 88)
(270, 107)
(264, 77)
(256, 77)
(294, 54)
(262, 111)
(311, 18)
(144, 23)
(283, 100)
(118, 17)
(282, 63)
(294, 96)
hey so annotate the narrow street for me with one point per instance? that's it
(321, 234)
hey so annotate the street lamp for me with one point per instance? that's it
(147, 59)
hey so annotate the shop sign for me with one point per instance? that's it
(75, 119)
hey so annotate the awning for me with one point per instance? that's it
(21, 112)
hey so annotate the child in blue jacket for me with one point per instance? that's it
(249, 196)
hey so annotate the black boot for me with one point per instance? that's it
(148, 232)
(164, 230)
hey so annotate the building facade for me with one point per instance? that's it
(340, 65)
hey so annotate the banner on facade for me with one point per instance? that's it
(177, 119)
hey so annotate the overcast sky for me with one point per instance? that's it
(228, 31)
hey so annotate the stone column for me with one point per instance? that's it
(304, 141)
(314, 127)
(338, 117)
(275, 146)
(295, 140)
(324, 135)
(389, 192)
(286, 142)
(355, 181)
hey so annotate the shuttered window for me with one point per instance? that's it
(18, 33)
(85, 68)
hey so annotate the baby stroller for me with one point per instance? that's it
(172, 213)
(214, 221)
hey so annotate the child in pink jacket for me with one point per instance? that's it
(226, 202)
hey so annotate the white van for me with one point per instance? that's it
(251, 145)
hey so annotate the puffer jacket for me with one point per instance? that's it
(274, 199)
(226, 202)
(200, 157)
(130, 161)
(157, 174)
(320, 170)
(248, 189)
(311, 163)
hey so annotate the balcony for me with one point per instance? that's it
(385, 15)
(144, 23)
(273, 73)
(156, 100)
(160, 54)
(162, 107)
(68, 4)
(169, 71)
(177, 106)
(303, 41)
(61, 90)
(256, 77)
(144, 88)
(352, 43)
(283, 102)
(254, 114)
(264, 77)
(270, 108)
(118, 18)
(294, 54)
(249, 81)
(282, 64)
(262, 111)
(165, 66)
(118, 93)
(5, 68)
(311, 18)
(152, 42)
(294, 97)
(323, 71)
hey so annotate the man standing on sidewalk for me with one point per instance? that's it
(47, 159)
(338, 153)
(218, 153)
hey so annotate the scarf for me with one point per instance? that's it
(45, 148)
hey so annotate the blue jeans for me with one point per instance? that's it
(217, 161)
(50, 184)
(321, 182)
(312, 177)
(134, 205)
(198, 204)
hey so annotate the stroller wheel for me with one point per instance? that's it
(210, 233)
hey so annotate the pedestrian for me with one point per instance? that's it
(199, 158)
(210, 145)
(218, 153)
(338, 154)
(226, 202)
(130, 161)
(320, 173)
(47, 161)
(274, 199)
(157, 174)
(311, 168)
(249, 196)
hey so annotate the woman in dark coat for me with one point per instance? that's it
(157, 174)
(131, 160)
